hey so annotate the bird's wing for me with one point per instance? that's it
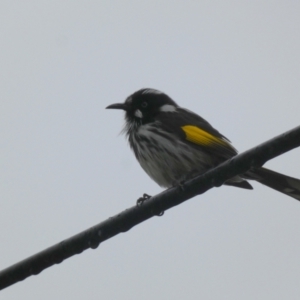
(193, 129)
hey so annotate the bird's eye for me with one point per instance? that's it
(144, 104)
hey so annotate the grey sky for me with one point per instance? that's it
(64, 167)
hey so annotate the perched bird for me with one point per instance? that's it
(173, 144)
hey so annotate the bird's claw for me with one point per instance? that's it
(141, 200)
(146, 197)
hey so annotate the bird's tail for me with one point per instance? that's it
(279, 182)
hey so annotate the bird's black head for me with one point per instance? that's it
(143, 106)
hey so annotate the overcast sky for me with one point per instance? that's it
(64, 166)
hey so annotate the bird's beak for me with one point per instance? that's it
(117, 106)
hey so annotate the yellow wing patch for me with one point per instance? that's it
(201, 137)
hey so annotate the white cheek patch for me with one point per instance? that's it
(168, 108)
(138, 114)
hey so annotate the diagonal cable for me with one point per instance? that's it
(156, 205)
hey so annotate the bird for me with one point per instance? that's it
(173, 144)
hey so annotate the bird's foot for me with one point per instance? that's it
(146, 197)
(141, 200)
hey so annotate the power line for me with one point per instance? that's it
(156, 205)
